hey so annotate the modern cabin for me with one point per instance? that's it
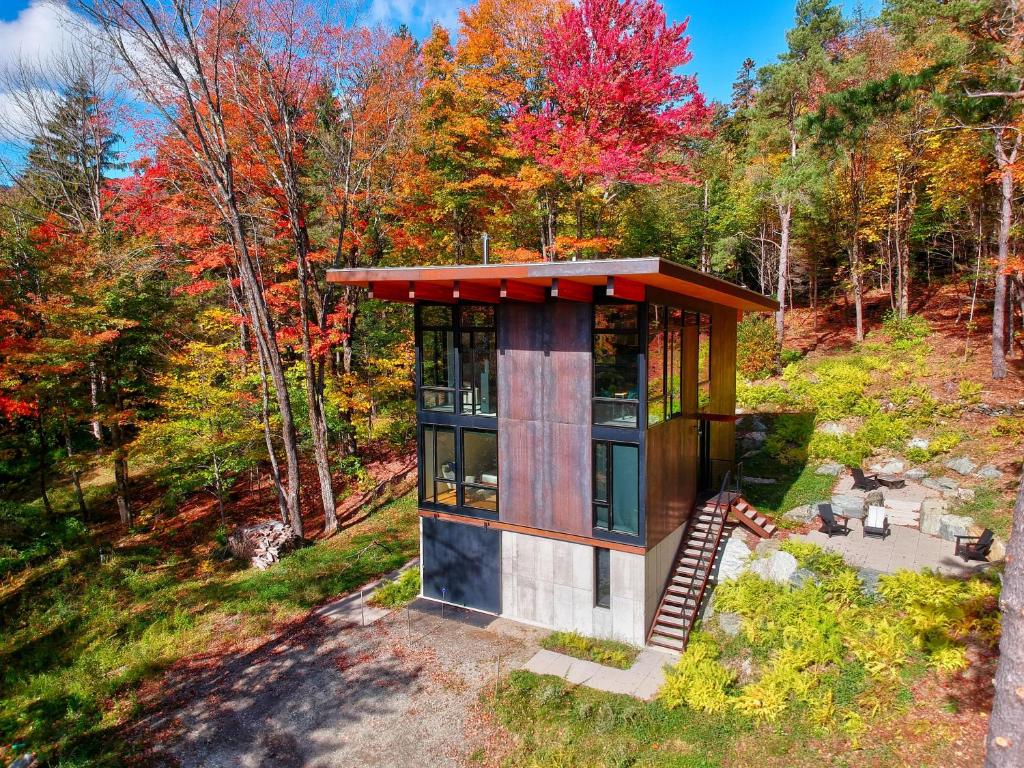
(574, 419)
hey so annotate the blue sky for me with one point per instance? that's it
(724, 33)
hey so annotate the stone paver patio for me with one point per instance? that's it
(642, 680)
(904, 548)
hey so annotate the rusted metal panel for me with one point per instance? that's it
(544, 389)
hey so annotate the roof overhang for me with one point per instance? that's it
(569, 280)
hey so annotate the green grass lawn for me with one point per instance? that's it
(78, 636)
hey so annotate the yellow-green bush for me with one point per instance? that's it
(610, 653)
(827, 648)
(698, 680)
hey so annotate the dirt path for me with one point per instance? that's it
(329, 692)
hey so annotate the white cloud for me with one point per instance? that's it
(41, 36)
(416, 14)
(22, 111)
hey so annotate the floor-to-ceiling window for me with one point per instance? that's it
(457, 407)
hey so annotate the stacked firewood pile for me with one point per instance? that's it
(263, 544)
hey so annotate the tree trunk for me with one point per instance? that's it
(43, 462)
(858, 289)
(94, 400)
(785, 216)
(1005, 161)
(705, 256)
(76, 475)
(1005, 742)
(275, 469)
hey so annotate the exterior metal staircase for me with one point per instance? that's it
(695, 562)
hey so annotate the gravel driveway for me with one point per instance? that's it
(328, 692)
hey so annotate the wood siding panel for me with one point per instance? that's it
(544, 386)
(723, 384)
(672, 457)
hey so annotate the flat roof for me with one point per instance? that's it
(572, 280)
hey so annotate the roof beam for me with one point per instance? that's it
(624, 288)
(463, 291)
(513, 290)
(421, 291)
(570, 290)
(391, 291)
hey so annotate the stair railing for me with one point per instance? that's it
(698, 591)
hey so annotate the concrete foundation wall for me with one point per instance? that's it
(551, 584)
(657, 566)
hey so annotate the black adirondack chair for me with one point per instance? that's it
(863, 482)
(831, 523)
(974, 547)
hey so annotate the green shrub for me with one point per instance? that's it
(909, 328)
(1008, 426)
(836, 390)
(790, 356)
(610, 653)
(970, 391)
(757, 351)
(397, 593)
(883, 430)
(698, 680)
(750, 395)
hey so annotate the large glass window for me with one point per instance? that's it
(674, 355)
(616, 487)
(616, 364)
(441, 476)
(656, 327)
(704, 363)
(438, 358)
(480, 469)
(478, 349)
(602, 577)
(437, 476)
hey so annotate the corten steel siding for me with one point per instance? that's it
(544, 433)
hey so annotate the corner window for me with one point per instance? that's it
(616, 365)
(437, 358)
(437, 474)
(602, 578)
(674, 358)
(704, 363)
(480, 469)
(656, 322)
(616, 487)
(478, 349)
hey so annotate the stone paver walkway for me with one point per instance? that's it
(642, 680)
(904, 548)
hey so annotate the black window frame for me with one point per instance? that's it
(602, 562)
(609, 532)
(638, 403)
(457, 419)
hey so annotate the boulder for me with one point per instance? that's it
(918, 442)
(849, 504)
(932, 511)
(989, 472)
(893, 467)
(263, 544)
(961, 465)
(916, 474)
(944, 484)
(951, 526)
(874, 498)
(833, 428)
(869, 580)
(801, 576)
(778, 568)
(734, 557)
(830, 469)
(730, 623)
(760, 480)
(802, 515)
(966, 494)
